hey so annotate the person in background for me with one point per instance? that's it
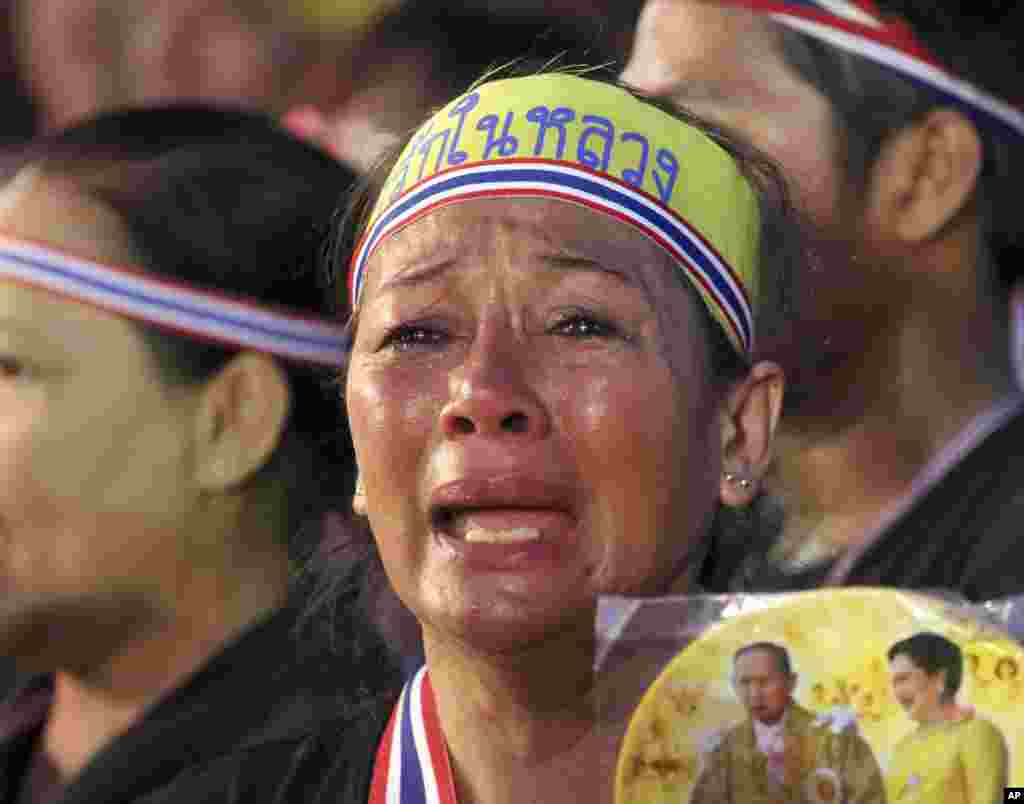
(170, 445)
(953, 756)
(783, 751)
(897, 461)
(83, 57)
(417, 55)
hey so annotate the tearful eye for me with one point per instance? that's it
(585, 325)
(408, 337)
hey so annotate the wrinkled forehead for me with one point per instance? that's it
(488, 235)
(521, 227)
(485, 236)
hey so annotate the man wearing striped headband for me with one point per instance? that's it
(896, 123)
(551, 392)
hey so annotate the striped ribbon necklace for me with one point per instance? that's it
(412, 765)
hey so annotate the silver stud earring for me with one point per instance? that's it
(742, 479)
(359, 497)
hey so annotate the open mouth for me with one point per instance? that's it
(507, 525)
(515, 522)
(511, 536)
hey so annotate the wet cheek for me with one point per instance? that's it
(390, 414)
(593, 402)
(392, 418)
(597, 417)
(612, 453)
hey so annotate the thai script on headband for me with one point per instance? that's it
(594, 145)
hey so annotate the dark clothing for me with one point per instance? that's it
(260, 722)
(966, 534)
(20, 112)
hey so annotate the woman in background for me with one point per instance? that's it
(168, 446)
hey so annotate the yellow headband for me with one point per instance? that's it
(590, 143)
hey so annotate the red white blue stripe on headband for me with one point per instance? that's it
(412, 765)
(860, 29)
(195, 313)
(502, 178)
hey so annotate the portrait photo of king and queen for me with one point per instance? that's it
(784, 752)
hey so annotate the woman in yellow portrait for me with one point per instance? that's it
(952, 757)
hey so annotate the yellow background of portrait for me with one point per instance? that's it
(837, 640)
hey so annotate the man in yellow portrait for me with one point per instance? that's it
(783, 753)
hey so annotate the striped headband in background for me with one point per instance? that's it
(594, 144)
(173, 306)
(859, 28)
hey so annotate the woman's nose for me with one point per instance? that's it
(491, 396)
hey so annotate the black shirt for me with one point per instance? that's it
(966, 534)
(265, 720)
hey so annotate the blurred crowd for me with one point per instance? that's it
(377, 63)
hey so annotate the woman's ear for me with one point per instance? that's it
(749, 416)
(242, 414)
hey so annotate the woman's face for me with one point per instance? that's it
(919, 692)
(93, 446)
(532, 416)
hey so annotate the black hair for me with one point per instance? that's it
(21, 112)
(776, 651)
(460, 41)
(933, 654)
(870, 103)
(226, 200)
